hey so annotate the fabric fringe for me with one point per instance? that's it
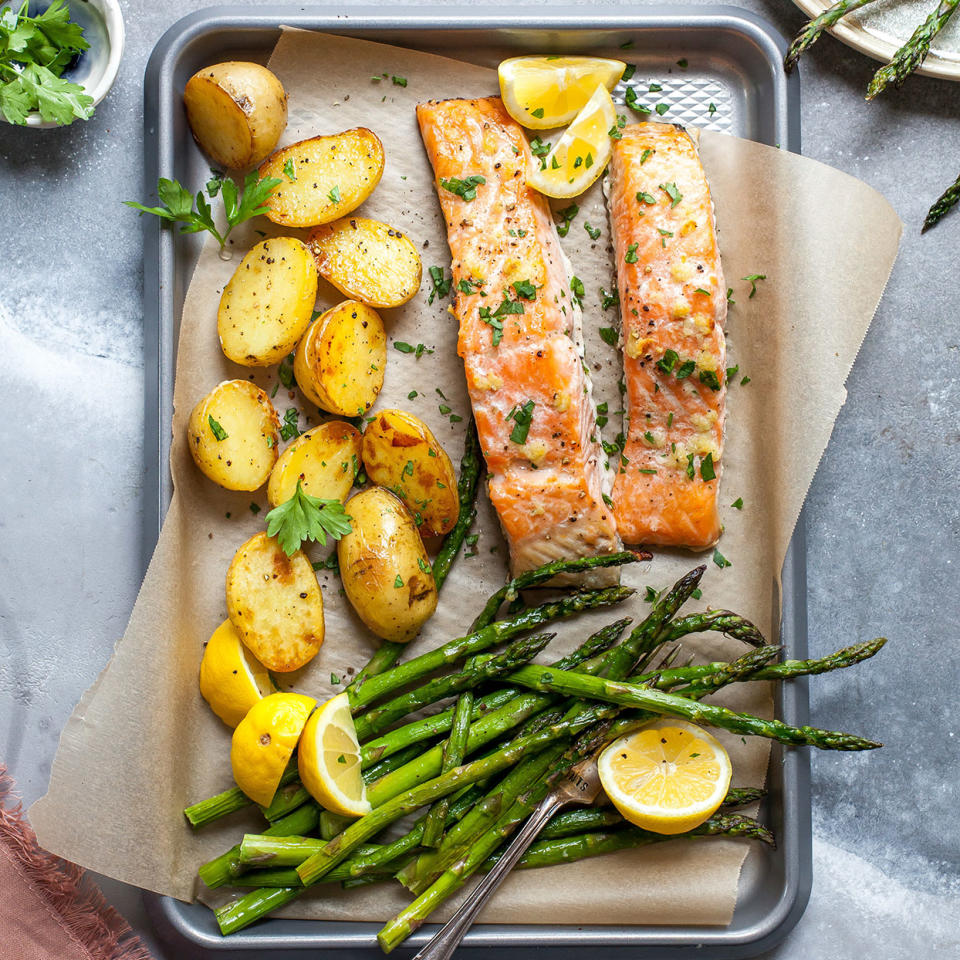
(66, 891)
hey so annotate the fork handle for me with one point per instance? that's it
(442, 946)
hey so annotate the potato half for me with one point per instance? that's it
(401, 453)
(384, 566)
(340, 361)
(274, 601)
(367, 260)
(237, 111)
(324, 177)
(232, 435)
(325, 459)
(268, 302)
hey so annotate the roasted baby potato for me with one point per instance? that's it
(325, 459)
(268, 302)
(324, 177)
(237, 111)
(384, 567)
(401, 453)
(232, 434)
(367, 260)
(274, 602)
(340, 361)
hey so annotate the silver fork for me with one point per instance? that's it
(580, 786)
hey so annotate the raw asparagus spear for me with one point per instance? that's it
(913, 52)
(377, 687)
(535, 578)
(811, 31)
(381, 717)
(658, 701)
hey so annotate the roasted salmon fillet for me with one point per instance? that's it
(673, 306)
(521, 341)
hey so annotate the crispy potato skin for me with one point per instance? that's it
(274, 602)
(401, 453)
(340, 360)
(384, 567)
(325, 460)
(244, 459)
(333, 176)
(367, 260)
(236, 111)
(268, 302)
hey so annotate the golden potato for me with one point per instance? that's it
(274, 602)
(384, 567)
(268, 302)
(330, 177)
(325, 459)
(340, 361)
(232, 435)
(367, 260)
(401, 453)
(237, 111)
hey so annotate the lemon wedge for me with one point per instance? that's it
(544, 92)
(232, 680)
(668, 777)
(581, 153)
(264, 741)
(329, 759)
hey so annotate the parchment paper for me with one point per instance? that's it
(142, 744)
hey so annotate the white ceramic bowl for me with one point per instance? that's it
(97, 67)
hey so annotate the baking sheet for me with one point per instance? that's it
(816, 427)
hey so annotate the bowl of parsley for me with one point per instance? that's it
(57, 59)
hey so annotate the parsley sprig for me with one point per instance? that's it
(34, 52)
(303, 517)
(195, 214)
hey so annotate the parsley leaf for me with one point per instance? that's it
(289, 429)
(662, 108)
(630, 99)
(217, 430)
(752, 280)
(566, 215)
(608, 300)
(399, 81)
(525, 291)
(577, 291)
(466, 188)
(303, 517)
(720, 560)
(593, 232)
(646, 155)
(707, 471)
(631, 254)
(403, 346)
(629, 72)
(496, 324)
(670, 189)
(290, 171)
(522, 417)
(668, 361)
(737, 504)
(440, 286)
(644, 197)
(334, 195)
(538, 148)
(608, 335)
(538, 113)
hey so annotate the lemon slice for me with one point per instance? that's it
(264, 740)
(580, 155)
(668, 777)
(329, 759)
(232, 680)
(545, 92)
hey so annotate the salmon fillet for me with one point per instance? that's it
(673, 307)
(521, 341)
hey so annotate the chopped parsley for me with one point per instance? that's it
(290, 171)
(608, 300)
(440, 285)
(538, 148)
(412, 395)
(398, 583)
(709, 377)
(720, 560)
(538, 113)
(737, 504)
(334, 679)
(289, 429)
(631, 254)
(466, 188)
(334, 194)
(744, 381)
(685, 369)
(522, 417)
(732, 372)
(630, 70)
(217, 430)
(399, 81)
(662, 108)
(683, 64)
(254, 508)
(668, 361)
(403, 346)
(646, 155)
(608, 335)
(593, 232)
(691, 469)
(525, 291)
(644, 197)
(285, 372)
(707, 471)
(712, 109)
(614, 133)
(577, 291)
(566, 216)
(467, 286)
(496, 324)
(752, 280)
(631, 100)
(602, 418)
(670, 189)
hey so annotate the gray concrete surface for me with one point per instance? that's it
(884, 523)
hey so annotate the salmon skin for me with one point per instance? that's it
(521, 341)
(673, 306)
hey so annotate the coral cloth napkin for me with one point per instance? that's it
(49, 909)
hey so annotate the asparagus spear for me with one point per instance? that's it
(720, 621)
(205, 811)
(286, 800)
(944, 203)
(658, 701)
(467, 493)
(913, 52)
(454, 751)
(535, 578)
(381, 717)
(389, 652)
(811, 31)
(377, 687)
(217, 872)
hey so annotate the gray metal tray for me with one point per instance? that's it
(734, 62)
